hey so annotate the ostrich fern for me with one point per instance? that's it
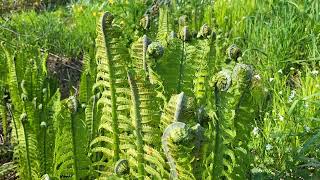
(112, 58)
(145, 109)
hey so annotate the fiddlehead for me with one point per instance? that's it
(229, 89)
(179, 143)
(122, 167)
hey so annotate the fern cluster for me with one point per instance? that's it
(153, 108)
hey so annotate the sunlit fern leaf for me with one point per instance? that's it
(70, 153)
(6, 169)
(47, 132)
(168, 67)
(26, 152)
(180, 108)
(146, 118)
(195, 69)
(178, 149)
(92, 122)
(164, 27)
(12, 80)
(139, 56)
(112, 58)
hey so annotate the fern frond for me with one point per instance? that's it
(176, 145)
(86, 80)
(168, 67)
(112, 57)
(70, 153)
(195, 69)
(46, 135)
(3, 115)
(26, 151)
(180, 108)
(12, 80)
(164, 27)
(6, 169)
(229, 89)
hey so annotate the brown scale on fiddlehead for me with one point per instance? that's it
(185, 34)
(155, 50)
(122, 167)
(234, 52)
(205, 31)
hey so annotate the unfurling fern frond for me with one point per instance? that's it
(23, 118)
(112, 58)
(86, 80)
(47, 131)
(12, 80)
(224, 160)
(168, 67)
(70, 153)
(91, 118)
(164, 28)
(229, 88)
(179, 143)
(145, 156)
(26, 151)
(249, 109)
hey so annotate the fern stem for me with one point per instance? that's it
(137, 124)
(218, 141)
(179, 87)
(27, 149)
(44, 150)
(3, 114)
(74, 145)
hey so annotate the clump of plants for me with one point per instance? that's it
(170, 98)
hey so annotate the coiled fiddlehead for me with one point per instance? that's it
(180, 144)
(234, 52)
(229, 89)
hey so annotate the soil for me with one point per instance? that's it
(67, 71)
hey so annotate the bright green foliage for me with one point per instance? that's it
(112, 58)
(180, 108)
(146, 113)
(166, 90)
(176, 144)
(70, 153)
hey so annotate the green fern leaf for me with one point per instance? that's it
(70, 153)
